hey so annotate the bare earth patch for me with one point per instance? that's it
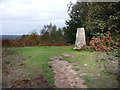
(15, 73)
(65, 76)
(37, 81)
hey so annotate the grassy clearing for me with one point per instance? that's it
(95, 78)
(37, 59)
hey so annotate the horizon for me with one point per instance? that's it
(22, 16)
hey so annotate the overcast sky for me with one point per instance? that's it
(22, 16)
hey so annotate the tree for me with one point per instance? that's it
(51, 34)
(94, 17)
(77, 15)
(30, 39)
(105, 15)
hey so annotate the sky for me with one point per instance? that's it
(20, 17)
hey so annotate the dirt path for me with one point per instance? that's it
(65, 76)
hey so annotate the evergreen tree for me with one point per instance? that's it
(94, 17)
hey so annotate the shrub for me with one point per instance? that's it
(103, 41)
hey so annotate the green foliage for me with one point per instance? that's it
(77, 69)
(62, 58)
(116, 52)
(94, 17)
(74, 22)
(89, 49)
(31, 39)
(51, 34)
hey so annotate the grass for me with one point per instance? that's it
(38, 58)
(77, 69)
(95, 78)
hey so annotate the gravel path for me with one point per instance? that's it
(65, 76)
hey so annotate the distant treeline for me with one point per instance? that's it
(100, 20)
(11, 37)
(50, 36)
(53, 36)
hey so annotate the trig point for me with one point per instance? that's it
(80, 38)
